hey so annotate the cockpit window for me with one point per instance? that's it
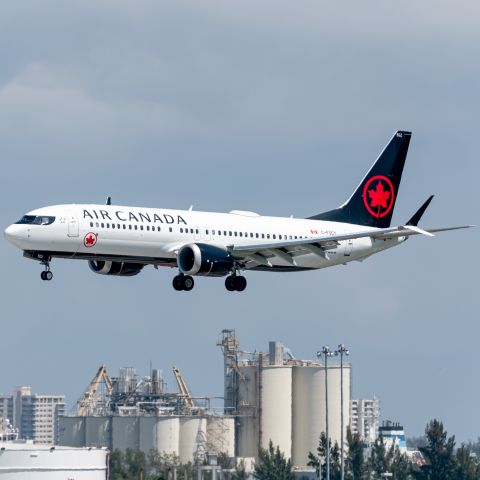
(36, 220)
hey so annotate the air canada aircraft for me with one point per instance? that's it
(121, 240)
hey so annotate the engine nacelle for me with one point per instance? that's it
(122, 269)
(203, 259)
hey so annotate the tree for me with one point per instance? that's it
(439, 454)
(380, 458)
(354, 462)
(318, 460)
(117, 465)
(273, 465)
(400, 466)
(240, 472)
(467, 466)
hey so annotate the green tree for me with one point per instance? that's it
(272, 465)
(467, 466)
(354, 461)
(318, 460)
(117, 465)
(380, 459)
(240, 472)
(439, 454)
(400, 466)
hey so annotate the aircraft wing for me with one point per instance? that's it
(261, 253)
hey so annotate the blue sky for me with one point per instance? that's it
(277, 107)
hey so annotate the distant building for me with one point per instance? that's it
(35, 417)
(393, 435)
(365, 418)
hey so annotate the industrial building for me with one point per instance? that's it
(139, 413)
(268, 396)
(34, 416)
(365, 418)
(276, 397)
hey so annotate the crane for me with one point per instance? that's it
(182, 387)
(89, 399)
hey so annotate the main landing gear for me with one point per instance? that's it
(46, 274)
(235, 282)
(183, 282)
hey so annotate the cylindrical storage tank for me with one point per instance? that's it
(247, 428)
(193, 439)
(221, 435)
(71, 431)
(309, 419)
(160, 433)
(125, 432)
(98, 432)
(276, 408)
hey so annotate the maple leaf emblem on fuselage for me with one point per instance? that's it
(378, 195)
(90, 239)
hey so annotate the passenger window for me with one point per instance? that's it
(158, 229)
(170, 229)
(206, 231)
(129, 227)
(268, 235)
(263, 235)
(124, 227)
(136, 227)
(225, 233)
(108, 225)
(181, 230)
(274, 237)
(236, 233)
(196, 231)
(251, 235)
(141, 227)
(230, 233)
(148, 228)
(241, 234)
(91, 224)
(96, 224)
(103, 225)
(113, 225)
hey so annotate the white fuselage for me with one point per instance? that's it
(154, 235)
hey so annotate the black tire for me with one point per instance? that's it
(48, 275)
(42, 275)
(188, 283)
(178, 283)
(230, 283)
(240, 283)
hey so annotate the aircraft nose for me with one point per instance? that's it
(13, 233)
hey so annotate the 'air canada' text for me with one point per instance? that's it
(134, 216)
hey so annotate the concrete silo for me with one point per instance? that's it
(276, 407)
(309, 407)
(193, 439)
(125, 432)
(221, 435)
(247, 424)
(98, 431)
(160, 433)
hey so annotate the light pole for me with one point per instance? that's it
(324, 353)
(342, 350)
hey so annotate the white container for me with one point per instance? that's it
(125, 433)
(160, 433)
(221, 435)
(71, 431)
(98, 431)
(26, 461)
(193, 439)
(276, 408)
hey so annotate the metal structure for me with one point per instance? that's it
(93, 399)
(182, 387)
(342, 351)
(325, 353)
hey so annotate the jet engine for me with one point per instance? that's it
(122, 269)
(203, 259)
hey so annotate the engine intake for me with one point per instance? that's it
(203, 259)
(122, 269)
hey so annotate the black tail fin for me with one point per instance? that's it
(419, 213)
(373, 201)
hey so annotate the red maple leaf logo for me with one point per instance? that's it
(379, 197)
(90, 239)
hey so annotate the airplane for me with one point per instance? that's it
(122, 240)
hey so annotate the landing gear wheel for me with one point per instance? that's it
(48, 275)
(230, 283)
(42, 275)
(178, 283)
(188, 283)
(240, 283)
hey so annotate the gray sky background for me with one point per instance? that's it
(277, 107)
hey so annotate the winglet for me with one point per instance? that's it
(109, 201)
(419, 213)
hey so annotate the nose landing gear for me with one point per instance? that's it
(183, 282)
(46, 274)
